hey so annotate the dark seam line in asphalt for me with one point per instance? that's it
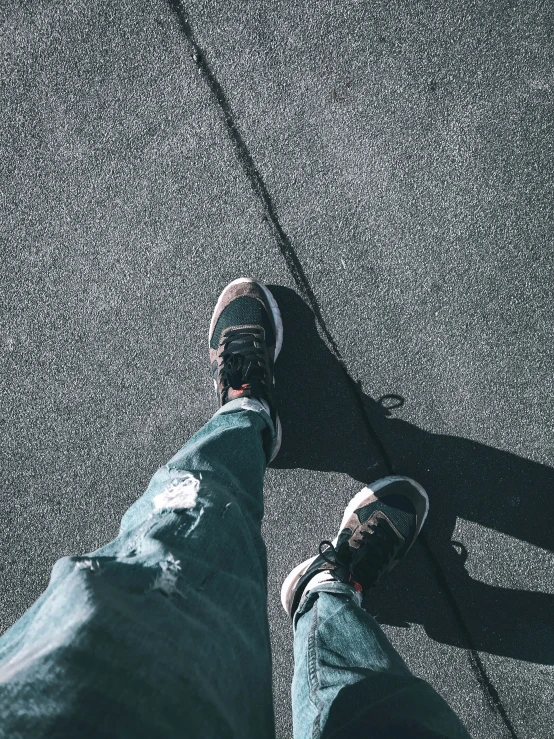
(476, 664)
(299, 276)
(283, 242)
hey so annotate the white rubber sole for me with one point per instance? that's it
(289, 585)
(278, 338)
(272, 304)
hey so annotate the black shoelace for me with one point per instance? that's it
(335, 555)
(244, 362)
(376, 550)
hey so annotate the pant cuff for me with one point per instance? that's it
(338, 588)
(257, 406)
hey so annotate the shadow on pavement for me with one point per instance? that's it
(324, 430)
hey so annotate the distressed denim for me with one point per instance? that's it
(163, 632)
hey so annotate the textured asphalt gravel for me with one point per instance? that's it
(389, 166)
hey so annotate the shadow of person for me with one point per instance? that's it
(324, 417)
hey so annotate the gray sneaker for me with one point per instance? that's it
(246, 335)
(379, 526)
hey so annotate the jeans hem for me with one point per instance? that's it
(253, 404)
(338, 588)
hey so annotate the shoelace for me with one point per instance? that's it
(338, 561)
(382, 540)
(243, 359)
(383, 544)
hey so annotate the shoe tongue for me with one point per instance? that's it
(367, 562)
(242, 373)
(367, 557)
(372, 556)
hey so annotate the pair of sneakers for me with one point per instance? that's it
(381, 523)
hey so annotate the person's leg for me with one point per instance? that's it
(349, 682)
(163, 632)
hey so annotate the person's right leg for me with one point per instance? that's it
(349, 681)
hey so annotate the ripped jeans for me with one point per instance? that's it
(163, 632)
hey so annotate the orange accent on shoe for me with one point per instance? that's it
(356, 585)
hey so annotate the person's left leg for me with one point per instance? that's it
(349, 681)
(163, 631)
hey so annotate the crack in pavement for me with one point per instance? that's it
(303, 284)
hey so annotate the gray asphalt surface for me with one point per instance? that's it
(390, 167)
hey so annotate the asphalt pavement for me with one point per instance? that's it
(388, 168)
